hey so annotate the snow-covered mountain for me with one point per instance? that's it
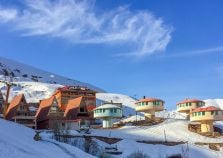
(22, 72)
(214, 102)
(36, 84)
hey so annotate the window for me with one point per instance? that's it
(199, 113)
(189, 104)
(111, 110)
(203, 112)
(216, 112)
(195, 114)
(142, 103)
(103, 110)
(212, 112)
(82, 109)
(115, 110)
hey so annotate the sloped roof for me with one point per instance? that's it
(44, 108)
(91, 107)
(189, 101)
(209, 108)
(149, 100)
(11, 111)
(72, 104)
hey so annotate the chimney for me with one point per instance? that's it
(144, 97)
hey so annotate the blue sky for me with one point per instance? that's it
(166, 49)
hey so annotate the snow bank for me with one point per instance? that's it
(17, 141)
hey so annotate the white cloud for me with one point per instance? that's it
(7, 15)
(79, 22)
(218, 49)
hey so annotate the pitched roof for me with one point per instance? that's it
(91, 107)
(209, 108)
(149, 100)
(11, 111)
(44, 108)
(72, 104)
(189, 101)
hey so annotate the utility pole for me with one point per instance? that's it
(8, 85)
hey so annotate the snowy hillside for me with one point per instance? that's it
(214, 102)
(33, 91)
(21, 72)
(175, 130)
(127, 102)
(17, 141)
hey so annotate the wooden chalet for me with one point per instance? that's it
(49, 115)
(18, 111)
(80, 112)
(64, 94)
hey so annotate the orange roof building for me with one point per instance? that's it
(18, 111)
(50, 113)
(149, 106)
(187, 105)
(64, 94)
(206, 116)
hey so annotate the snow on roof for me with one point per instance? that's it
(209, 108)
(108, 106)
(189, 101)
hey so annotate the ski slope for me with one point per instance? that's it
(16, 141)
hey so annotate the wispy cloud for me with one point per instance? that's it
(82, 22)
(198, 52)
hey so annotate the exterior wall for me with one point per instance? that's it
(28, 121)
(187, 107)
(206, 115)
(150, 115)
(63, 96)
(107, 123)
(207, 127)
(113, 112)
(149, 106)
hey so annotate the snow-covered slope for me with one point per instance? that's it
(23, 72)
(127, 102)
(175, 130)
(33, 91)
(214, 102)
(17, 141)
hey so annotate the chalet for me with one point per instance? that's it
(80, 112)
(188, 105)
(49, 114)
(1, 105)
(18, 111)
(206, 117)
(64, 94)
(149, 106)
(107, 112)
